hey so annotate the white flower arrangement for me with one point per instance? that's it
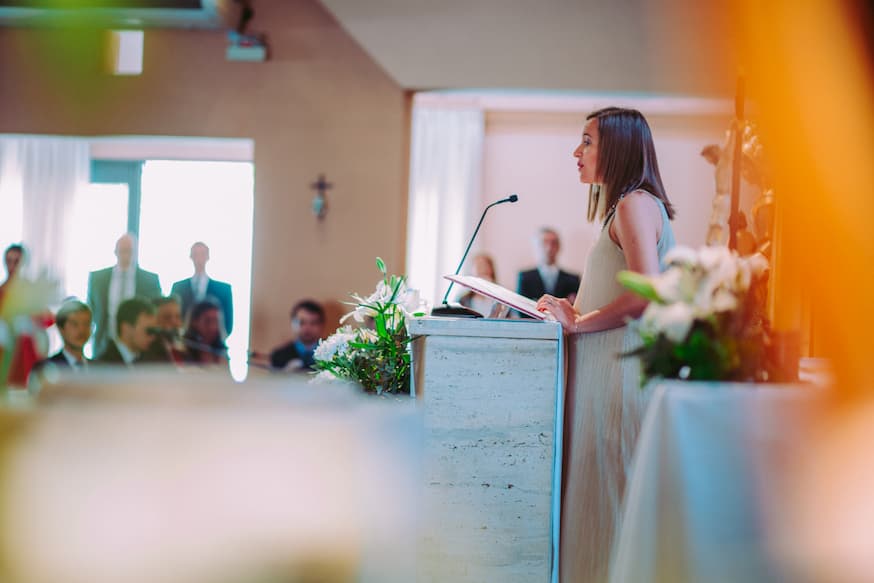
(377, 357)
(335, 345)
(705, 317)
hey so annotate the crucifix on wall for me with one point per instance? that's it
(320, 201)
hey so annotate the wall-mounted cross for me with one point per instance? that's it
(320, 201)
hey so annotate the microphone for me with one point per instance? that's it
(460, 311)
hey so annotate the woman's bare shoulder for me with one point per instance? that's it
(637, 200)
(636, 206)
(637, 212)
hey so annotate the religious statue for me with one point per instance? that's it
(755, 176)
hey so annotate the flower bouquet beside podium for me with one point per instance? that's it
(706, 317)
(375, 354)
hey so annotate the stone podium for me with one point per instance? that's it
(492, 393)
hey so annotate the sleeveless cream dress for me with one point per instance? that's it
(604, 407)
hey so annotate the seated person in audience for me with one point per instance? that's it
(205, 337)
(484, 267)
(74, 323)
(168, 314)
(167, 345)
(13, 257)
(133, 321)
(308, 325)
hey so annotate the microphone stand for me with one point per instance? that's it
(220, 352)
(172, 336)
(456, 310)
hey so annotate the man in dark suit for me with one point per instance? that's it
(74, 323)
(133, 334)
(109, 287)
(547, 277)
(308, 325)
(201, 287)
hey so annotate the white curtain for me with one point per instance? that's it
(39, 178)
(445, 180)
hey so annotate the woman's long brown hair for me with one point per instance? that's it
(626, 161)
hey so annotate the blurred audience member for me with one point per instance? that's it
(200, 287)
(205, 339)
(167, 345)
(168, 314)
(13, 257)
(308, 326)
(108, 288)
(483, 267)
(74, 323)
(133, 334)
(547, 277)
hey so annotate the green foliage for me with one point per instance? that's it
(639, 284)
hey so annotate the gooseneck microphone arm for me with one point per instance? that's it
(171, 335)
(511, 198)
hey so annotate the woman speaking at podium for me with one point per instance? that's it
(604, 404)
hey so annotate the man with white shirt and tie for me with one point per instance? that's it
(547, 277)
(200, 287)
(109, 287)
(74, 323)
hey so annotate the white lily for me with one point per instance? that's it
(710, 258)
(672, 320)
(724, 301)
(335, 344)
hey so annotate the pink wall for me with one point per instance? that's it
(531, 154)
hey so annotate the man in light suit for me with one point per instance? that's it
(547, 277)
(109, 287)
(201, 287)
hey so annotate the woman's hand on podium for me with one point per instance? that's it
(561, 309)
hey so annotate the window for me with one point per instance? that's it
(169, 204)
(92, 242)
(184, 202)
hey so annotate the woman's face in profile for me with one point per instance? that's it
(587, 153)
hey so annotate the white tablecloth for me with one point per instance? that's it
(705, 475)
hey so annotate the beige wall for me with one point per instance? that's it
(531, 154)
(320, 104)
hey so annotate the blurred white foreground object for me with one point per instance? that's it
(192, 478)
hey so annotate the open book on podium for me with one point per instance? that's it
(500, 294)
